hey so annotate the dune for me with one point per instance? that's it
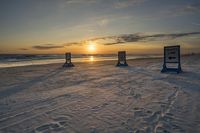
(96, 97)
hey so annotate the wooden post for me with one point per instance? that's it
(122, 59)
(68, 62)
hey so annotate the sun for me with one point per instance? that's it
(91, 46)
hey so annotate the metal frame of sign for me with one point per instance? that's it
(68, 62)
(165, 68)
(122, 62)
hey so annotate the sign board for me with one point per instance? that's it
(122, 58)
(68, 57)
(68, 62)
(172, 55)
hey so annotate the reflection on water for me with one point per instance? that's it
(91, 58)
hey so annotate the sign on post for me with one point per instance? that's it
(68, 62)
(172, 55)
(122, 59)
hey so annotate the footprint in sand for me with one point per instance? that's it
(134, 94)
(97, 108)
(62, 120)
(153, 118)
(47, 127)
(161, 129)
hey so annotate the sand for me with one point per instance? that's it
(96, 97)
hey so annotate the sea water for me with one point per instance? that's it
(13, 60)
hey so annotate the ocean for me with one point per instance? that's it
(13, 60)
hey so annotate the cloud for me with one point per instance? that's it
(196, 24)
(118, 4)
(126, 3)
(113, 43)
(175, 35)
(69, 2)
(119, 39)
(47, 46)
(145, 38)
(191, 8)
(175, 11)
(181, 10)
(103, 22)
(24, 49)
(66, 3)
(138, 37)
(72, 44)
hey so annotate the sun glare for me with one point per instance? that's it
(91, 58)
(91, 46)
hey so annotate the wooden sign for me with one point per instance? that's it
(68, 62)
(172, 55)
(122, 59)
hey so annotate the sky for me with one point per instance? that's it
(98, 26)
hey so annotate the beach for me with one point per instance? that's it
(98, 97)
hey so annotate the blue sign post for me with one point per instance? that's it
(68, 62)
(122, 59)
(172, 55)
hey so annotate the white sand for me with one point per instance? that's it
(99, 97)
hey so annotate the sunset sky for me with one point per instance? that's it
(98, 26)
